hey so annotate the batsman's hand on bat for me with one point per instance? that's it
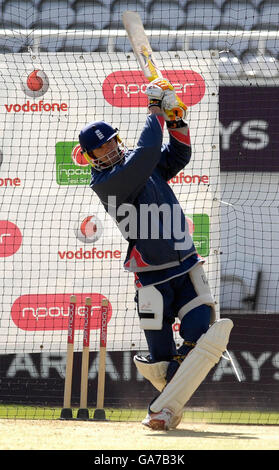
(161, 93)
(156, 91)
(174, 109)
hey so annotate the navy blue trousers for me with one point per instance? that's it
(176, 293)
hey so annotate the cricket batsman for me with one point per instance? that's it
(170, 281)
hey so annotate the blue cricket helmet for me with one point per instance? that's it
(95, 134)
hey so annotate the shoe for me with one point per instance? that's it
(162, 421)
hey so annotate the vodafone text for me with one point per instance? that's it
(182, 178)
(36, 107)
(90, 254)
(10, 182)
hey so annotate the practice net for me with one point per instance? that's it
(64, 64)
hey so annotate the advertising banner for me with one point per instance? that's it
(28, 378)
(249, 129)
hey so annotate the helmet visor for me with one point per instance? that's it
(108, 159)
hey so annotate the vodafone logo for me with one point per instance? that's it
(35, 84)
(126, 88)
(78, 157)
(89, 230)
(10, 238)
(182, 178)
(50, 312)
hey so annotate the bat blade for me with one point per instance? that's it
(140, 44)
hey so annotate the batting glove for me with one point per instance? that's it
(174, 109)
(156, 91)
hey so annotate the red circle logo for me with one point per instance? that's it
(10, 238)
(89, 230)
(35, 84)
(191, 225)
(34, 81)
(78, 157)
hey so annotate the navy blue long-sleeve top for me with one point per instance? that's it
(138, 186)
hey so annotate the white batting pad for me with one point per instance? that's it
(151, 306)
(195, 367)
(204, 295)
(154, 372)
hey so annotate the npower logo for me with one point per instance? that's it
(126, 88)
(199, 228)
(50, 312)
(10, 238)
(72, 169)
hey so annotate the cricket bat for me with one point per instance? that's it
(143, 51)
(140, 44)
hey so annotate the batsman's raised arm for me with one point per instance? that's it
(177, 153)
